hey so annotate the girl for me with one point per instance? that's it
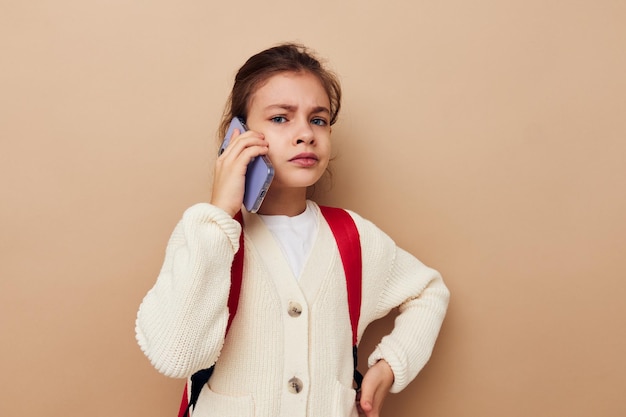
(288, 352)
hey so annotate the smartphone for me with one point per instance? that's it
(259, 174)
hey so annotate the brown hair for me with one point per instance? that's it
(287, 57)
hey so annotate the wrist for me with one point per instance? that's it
(386, 370)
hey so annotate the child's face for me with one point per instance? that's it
(292, 110)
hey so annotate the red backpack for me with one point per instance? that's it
(347, 238)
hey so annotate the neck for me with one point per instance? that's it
(287, 202)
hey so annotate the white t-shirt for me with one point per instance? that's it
(295, 235)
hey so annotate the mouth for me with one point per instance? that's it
(305, 159)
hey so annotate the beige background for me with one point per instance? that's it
(487, 137)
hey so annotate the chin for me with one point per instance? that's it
(299, 181)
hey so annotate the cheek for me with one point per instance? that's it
(325, 158)
(326, 145)
(273, 140)
(273, 146)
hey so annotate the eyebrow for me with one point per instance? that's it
(292, 108)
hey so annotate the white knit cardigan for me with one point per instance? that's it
(182, 320)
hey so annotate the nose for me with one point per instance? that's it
(304, 133)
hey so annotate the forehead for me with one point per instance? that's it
(296, 88)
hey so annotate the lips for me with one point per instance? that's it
(306, 159)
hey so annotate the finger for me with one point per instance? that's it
(236, 134)
(367, 398)
(226, 143)
(245, 135)
(244, 150)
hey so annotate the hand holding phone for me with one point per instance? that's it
(259, 173)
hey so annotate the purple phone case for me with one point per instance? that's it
(259, 174)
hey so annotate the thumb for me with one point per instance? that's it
(367, 398)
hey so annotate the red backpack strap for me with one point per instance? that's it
(201, 377)
(236, 276)
(349, 244)
(184, 403)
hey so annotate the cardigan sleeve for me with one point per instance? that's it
(393, 278)
(182, 320)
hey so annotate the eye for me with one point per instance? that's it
(318, 121)
(278, 119)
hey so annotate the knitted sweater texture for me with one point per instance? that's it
(288, 352)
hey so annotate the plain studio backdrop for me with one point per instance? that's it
(486, 137)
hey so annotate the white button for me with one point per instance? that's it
(295, 309)
(295, 385)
